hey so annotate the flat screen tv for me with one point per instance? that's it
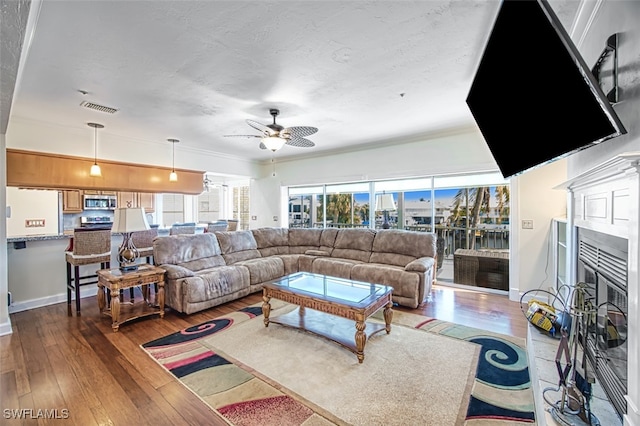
(533, 97)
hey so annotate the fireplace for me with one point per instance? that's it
(602, 266)
(603, 228)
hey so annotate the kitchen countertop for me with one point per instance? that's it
(41, 237)
(69, 234)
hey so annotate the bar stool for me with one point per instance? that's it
(233, 224)
(220, 225)
(143, 241)
(88, 247)
(182, 229)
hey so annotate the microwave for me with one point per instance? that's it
(99, 202)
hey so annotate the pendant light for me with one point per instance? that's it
(173, 176)
(95, 169)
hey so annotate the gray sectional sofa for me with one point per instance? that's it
(205, 270)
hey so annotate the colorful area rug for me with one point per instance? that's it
(424, 372)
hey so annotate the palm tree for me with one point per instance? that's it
(503, 198)
(338, 208)
(480, 201)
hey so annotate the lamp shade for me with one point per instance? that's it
(127, 220)
(385, 202)
(273, 143)
(95, 171)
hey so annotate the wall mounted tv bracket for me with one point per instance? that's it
(611, 47)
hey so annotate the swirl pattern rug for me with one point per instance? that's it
(425, 372)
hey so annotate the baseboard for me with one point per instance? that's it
(26, 305)
(5, 328)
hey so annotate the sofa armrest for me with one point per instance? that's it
(175, 272)
(422, 264)
(317, 253)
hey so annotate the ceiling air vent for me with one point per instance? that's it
(97, 107)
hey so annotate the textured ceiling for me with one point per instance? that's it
(361, 72)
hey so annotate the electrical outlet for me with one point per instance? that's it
(34, 223)
(254, 217)
(275, 218)
(527, 224)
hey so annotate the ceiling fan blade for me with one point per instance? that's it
(262, 146)
(260, 127)
(299, 131)
(243, 136)
(300, 142)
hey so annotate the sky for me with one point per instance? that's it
(441, 195)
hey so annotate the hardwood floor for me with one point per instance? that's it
(82, 373)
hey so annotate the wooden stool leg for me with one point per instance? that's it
(69, 313)
(77, 288)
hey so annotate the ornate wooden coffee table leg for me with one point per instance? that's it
(361, 338)
(266, 309)
(388, 316)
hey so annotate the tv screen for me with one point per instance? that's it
(533, 97)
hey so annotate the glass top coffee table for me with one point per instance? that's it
(346, 300)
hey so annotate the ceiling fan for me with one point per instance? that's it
(274, 136)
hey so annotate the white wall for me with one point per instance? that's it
(531, 262)
(611, 17)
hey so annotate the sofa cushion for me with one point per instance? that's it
(399, 247)
(354, 244)
(405, 284)
(237, 246)
(263, 269)
(271, 241)
(215, 282)
(335, 267)
(303, 239)
(328, 239)
(290, 262)
(193, 251)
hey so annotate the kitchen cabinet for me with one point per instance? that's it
(145, 200)
(148, 201)
(95, 192)
(127, 199)
(72, 201)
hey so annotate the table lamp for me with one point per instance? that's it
(126, 221)
(385, 203)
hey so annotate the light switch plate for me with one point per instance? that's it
(527, 224)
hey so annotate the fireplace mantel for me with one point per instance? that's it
(606, 199)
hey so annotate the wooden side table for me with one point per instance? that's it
(115, 280)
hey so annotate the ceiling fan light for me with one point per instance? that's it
(273, 143)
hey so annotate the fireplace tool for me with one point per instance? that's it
(575, 379)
